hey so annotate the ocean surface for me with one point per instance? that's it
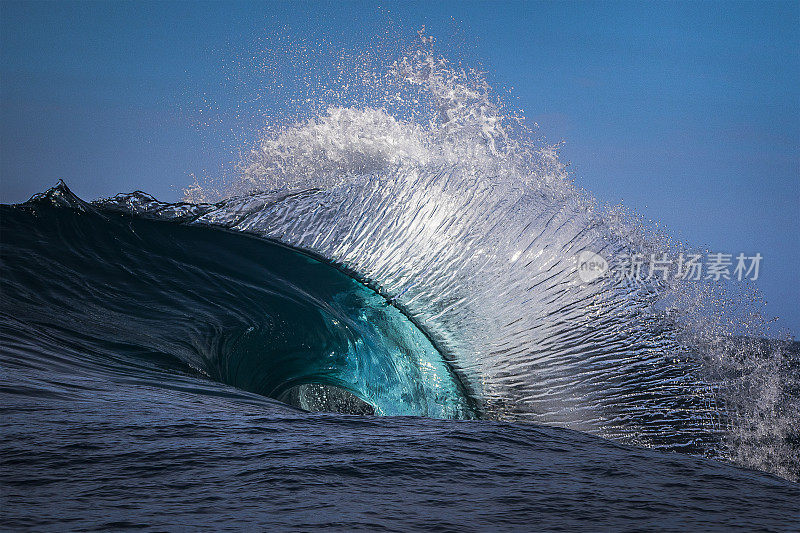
(142, 363)
(377, 322)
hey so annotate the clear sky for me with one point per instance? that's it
(688, 113)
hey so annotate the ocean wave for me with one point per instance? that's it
(463, 234)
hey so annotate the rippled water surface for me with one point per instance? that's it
(83, 453)
(137, 357)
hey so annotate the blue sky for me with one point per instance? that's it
(688, 113)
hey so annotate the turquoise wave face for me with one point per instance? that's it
(139, 296)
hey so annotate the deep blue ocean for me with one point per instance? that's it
(160, 374)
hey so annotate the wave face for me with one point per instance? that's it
(248, 313)
(142, 360)
(442, 281)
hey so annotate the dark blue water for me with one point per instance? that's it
(161, 376)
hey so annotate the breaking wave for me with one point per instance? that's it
(452, 234)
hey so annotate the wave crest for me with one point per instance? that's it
(440, 199)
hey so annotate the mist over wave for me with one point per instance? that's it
(413, 175)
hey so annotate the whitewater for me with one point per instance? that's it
(384, 293)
